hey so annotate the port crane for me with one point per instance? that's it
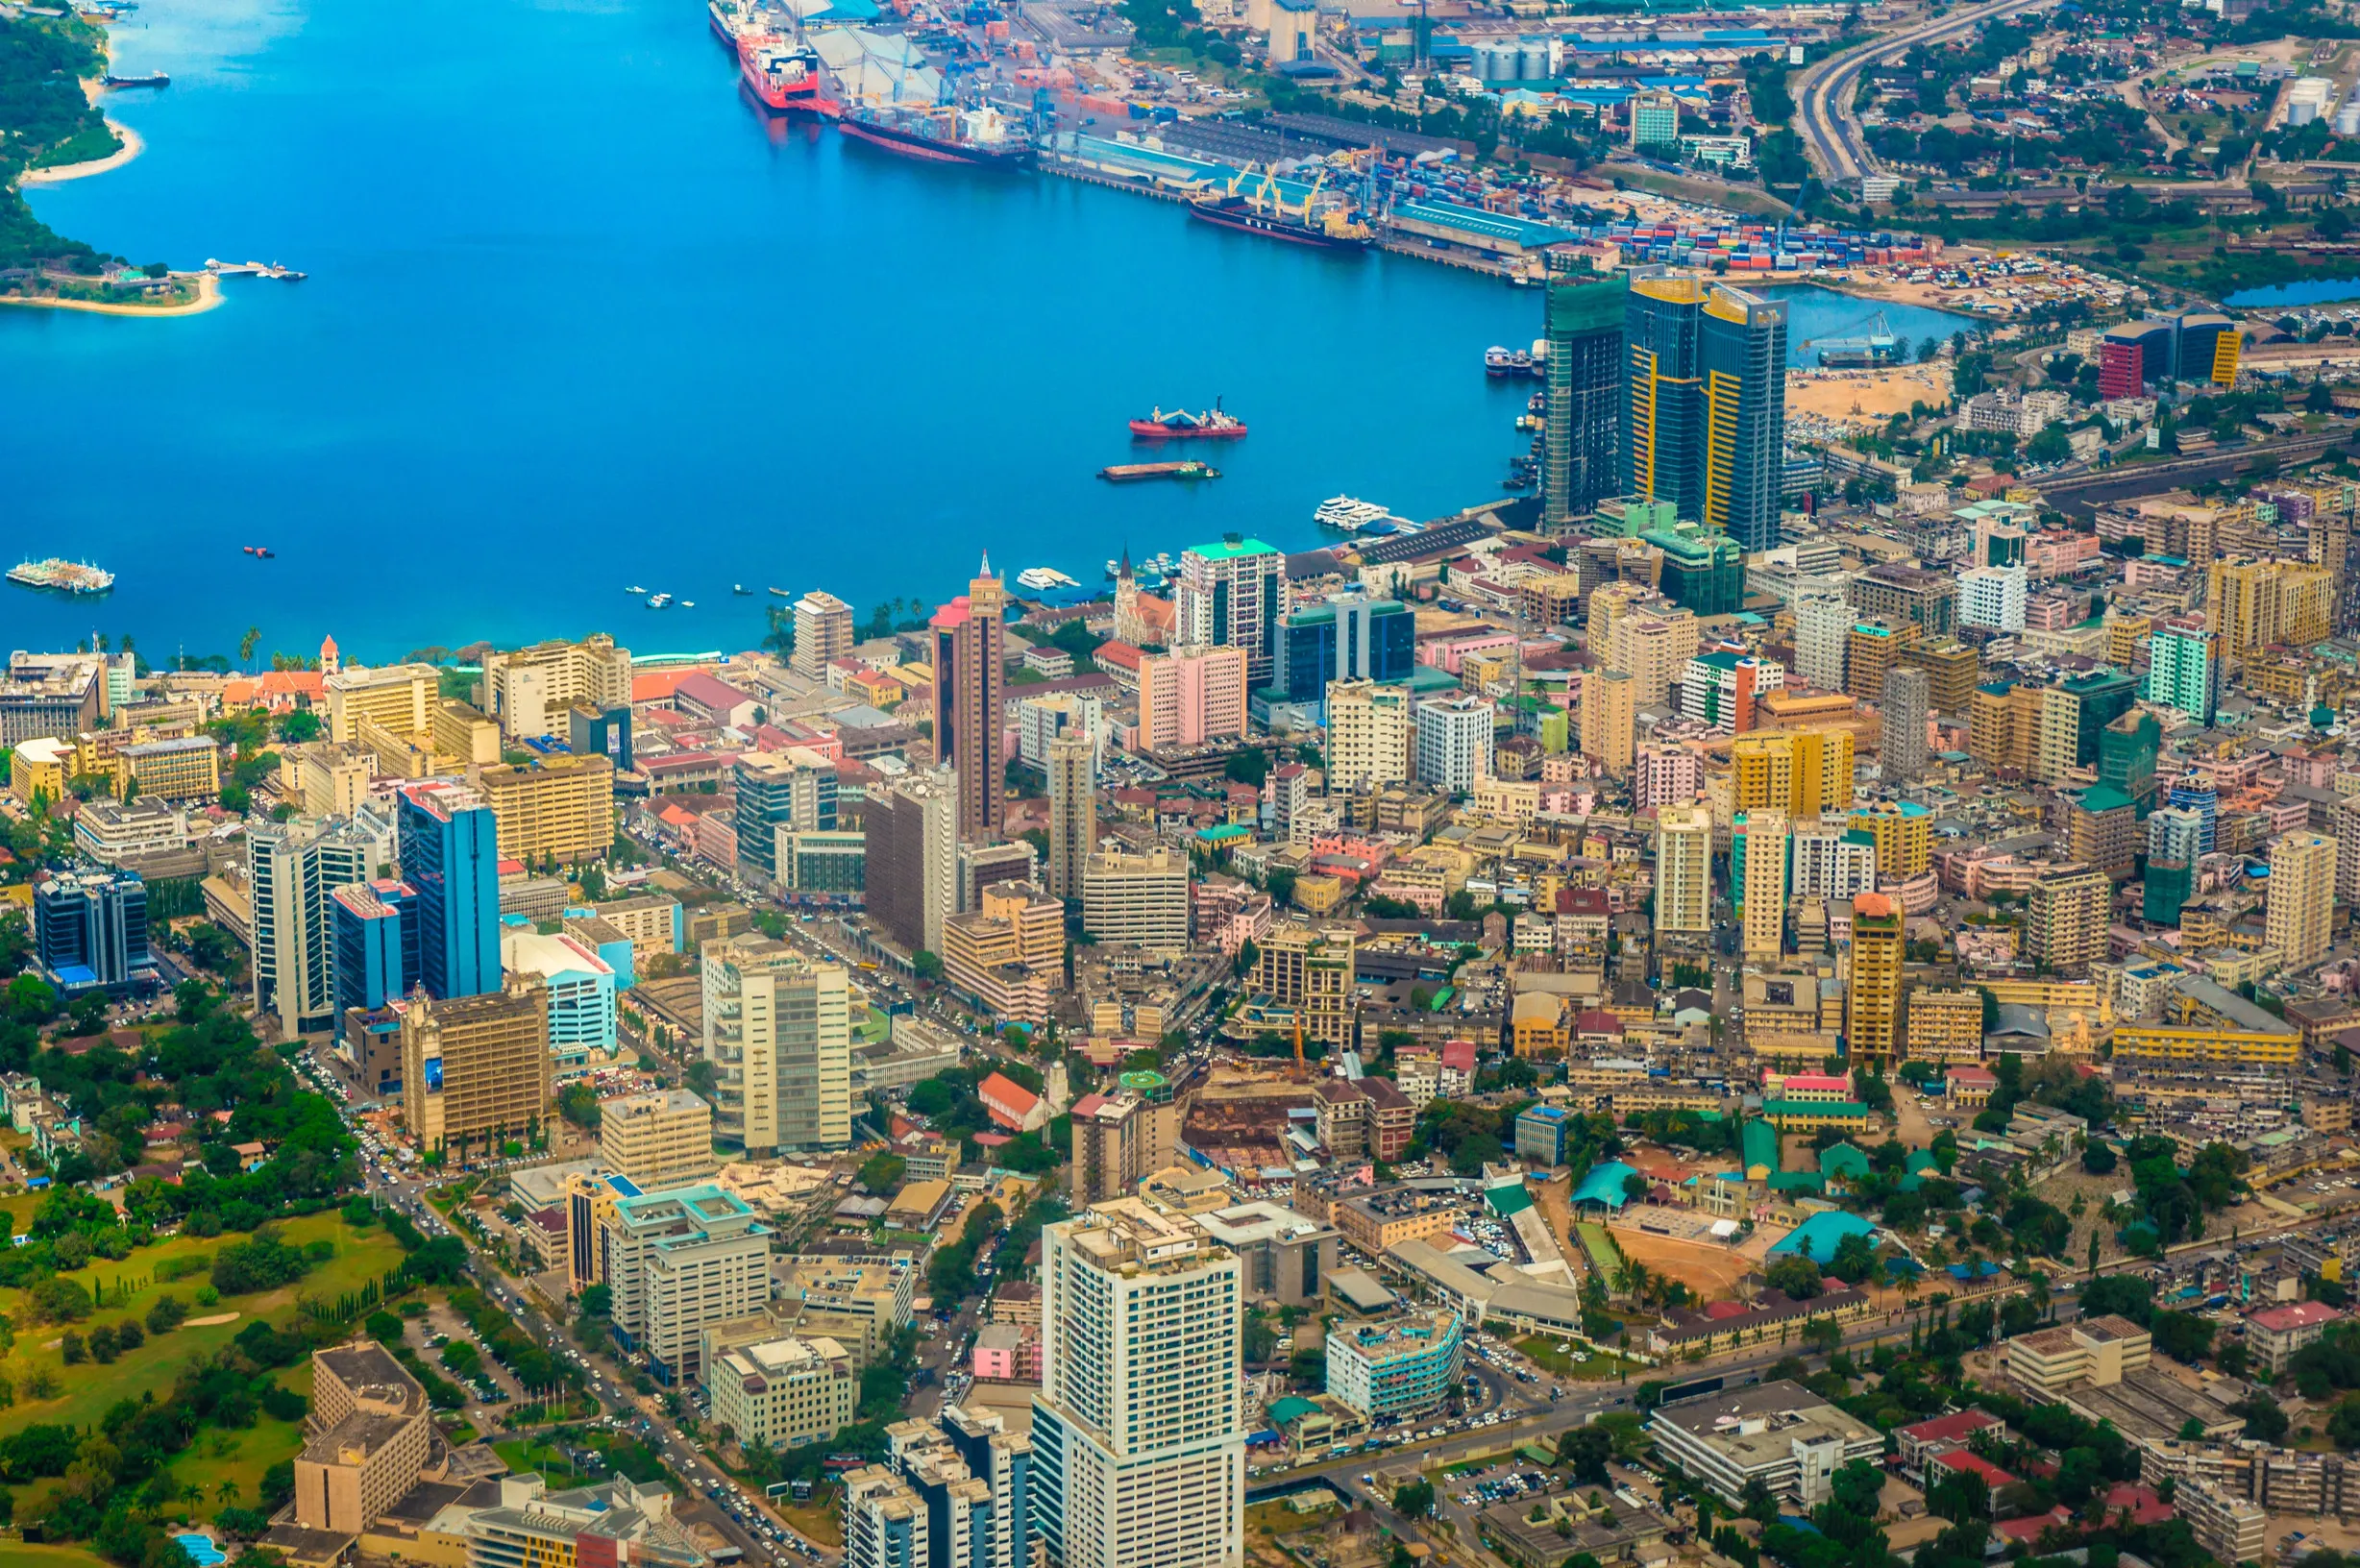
(1850, 332)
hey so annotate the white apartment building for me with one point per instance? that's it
(678, 1261)
(1823, 623)
(1138, 1435)
(1829, 863)
(1369, 735)
(1993, 597)
(1455, 736)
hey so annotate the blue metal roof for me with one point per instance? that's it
(1604, 1184)
(1476, 221)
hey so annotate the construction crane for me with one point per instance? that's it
(1300, 1071)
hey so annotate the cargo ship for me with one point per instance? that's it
(785, 76)
(63, 575)
(1132, 473)
(1182, 426)
(975, 138)
(1332, 230)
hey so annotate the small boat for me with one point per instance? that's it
(1502, 362)
(1112, 567)
(740, 588)
(782, 593)
(636, 592)
(657, 601)
(688, 604)
(151, 79)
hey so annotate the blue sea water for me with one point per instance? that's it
(2308, 291)
(580, 318)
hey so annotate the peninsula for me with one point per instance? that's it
(51, 130)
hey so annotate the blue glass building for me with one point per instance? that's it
(376, 943)
(1344, 639)
(90, 933)
(450, 850)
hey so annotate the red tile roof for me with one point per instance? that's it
(2300, 1315)
(1955, 1427)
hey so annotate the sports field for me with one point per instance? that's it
(1599, 1248)
(1707, 1268)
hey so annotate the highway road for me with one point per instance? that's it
(2085, 493)
(1823, 97)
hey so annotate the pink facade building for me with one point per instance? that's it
(1190, 697)
(1005, 1352)
(1666, 775)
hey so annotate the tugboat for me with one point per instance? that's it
(1181, 426)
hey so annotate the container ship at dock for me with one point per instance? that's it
(975, 138)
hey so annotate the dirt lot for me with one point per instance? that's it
(1710, 1270)
(1866, 396)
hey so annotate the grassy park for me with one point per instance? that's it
(130, 1288)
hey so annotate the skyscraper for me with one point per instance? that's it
(295, 865)
(1454, 741)
(2065, 923)
(913, 871)
(477, 1066)
(1872, 995)
(1609, 716)
(2175, 843)
(1705, 422)
(778, 1032)
(1232, 595)
(1137, 1431)
(2257, 602)
(2185, 668)
(1074, 810)
(1683, 871)
(822, 633)
(450, 850)
(793, 789)
(2301, 897)
(1369, 735)
(1901, 743)
(1581, 431)
(970, 650)
(1765, 885)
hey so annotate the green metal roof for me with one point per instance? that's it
(2104, 797)
(1761, 1144)
(1231, 549)
(1813, 1107)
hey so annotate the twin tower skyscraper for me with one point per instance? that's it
(1669, 387)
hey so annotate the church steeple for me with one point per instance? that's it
(1124, 575)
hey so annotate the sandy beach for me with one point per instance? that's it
(208, 295)
(131, 148)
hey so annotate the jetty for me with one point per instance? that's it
(252, 269)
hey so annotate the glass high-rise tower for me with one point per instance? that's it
(450, 850)
(1705, 419)
(1581, 430)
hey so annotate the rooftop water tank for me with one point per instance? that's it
(2348, 120)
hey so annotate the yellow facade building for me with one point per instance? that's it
(1946, 1025)
(1872, 992)
(560, 805)
(1802, 773)
(1904, 832)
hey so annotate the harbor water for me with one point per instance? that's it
(578, 317)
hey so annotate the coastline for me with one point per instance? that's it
(208, 295)
(131, 148)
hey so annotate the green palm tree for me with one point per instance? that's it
(247, 644)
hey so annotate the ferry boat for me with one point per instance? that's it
(1181, 425)
(1503, 362)
(657, 601)
(1041, 578)
(975, 138)
(785, 76)
(63, 575)
(1348, 513)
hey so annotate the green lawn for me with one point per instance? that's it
(86, 1390)
(18, 1555)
